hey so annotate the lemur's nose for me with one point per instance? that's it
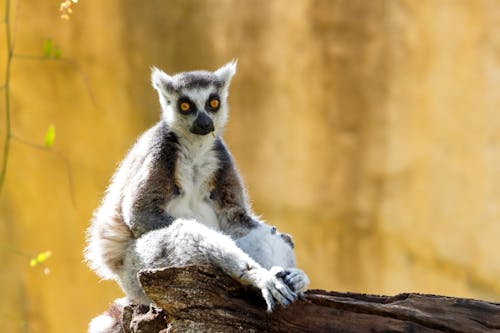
(202, 125)
(203, 121)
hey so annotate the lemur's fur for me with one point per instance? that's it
(177, 199)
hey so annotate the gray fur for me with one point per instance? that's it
(196, 79)
(149, 195)
(177, 199)
(229, 196)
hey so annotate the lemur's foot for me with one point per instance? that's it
(274, 290)
(294, 278)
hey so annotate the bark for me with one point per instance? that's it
(203, 299)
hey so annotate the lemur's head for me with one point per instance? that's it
(194, 103)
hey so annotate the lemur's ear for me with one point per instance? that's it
(226, 72)
(160, 80)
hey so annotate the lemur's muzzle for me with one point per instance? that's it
(202, 124)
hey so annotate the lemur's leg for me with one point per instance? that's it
(186, 242)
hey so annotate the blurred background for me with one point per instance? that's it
(369, 130)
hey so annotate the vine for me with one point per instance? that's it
(6, 88)
(49, 53)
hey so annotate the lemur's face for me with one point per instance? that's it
(195, 102)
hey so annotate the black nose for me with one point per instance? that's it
(202, 125)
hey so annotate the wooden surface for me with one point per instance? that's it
(203, 299)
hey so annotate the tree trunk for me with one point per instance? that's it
(203, 299)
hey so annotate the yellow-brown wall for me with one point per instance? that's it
(370, 130)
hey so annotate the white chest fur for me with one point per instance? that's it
(196, 165)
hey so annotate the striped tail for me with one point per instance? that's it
(107, 241)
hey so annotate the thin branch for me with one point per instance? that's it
(81, 72)
(69, 171)
(24, 305)
(6, 86)
(12, 249)
(14, 32)
(8, 137)
(85, 79)
(8, 128)
(33, 57)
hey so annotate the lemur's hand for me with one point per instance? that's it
(294, 278)
(273, 289)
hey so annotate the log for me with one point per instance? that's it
(204, 299)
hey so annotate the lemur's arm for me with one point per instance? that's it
(235, 216)
(229, 197)
(237, 221)
(152, 184)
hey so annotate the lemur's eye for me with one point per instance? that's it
(213, 103)
(185, 105)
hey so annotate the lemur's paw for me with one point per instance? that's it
(274, 290)
(295, 279)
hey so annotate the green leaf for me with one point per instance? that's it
(57, 53)
(50, 136)
(40, 258)
(47, 48)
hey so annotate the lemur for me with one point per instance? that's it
(177, 199)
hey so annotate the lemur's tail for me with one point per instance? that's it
(107, 241)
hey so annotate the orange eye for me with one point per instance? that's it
(214, 103)
(185, 106)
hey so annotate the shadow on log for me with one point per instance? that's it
(203, 299)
